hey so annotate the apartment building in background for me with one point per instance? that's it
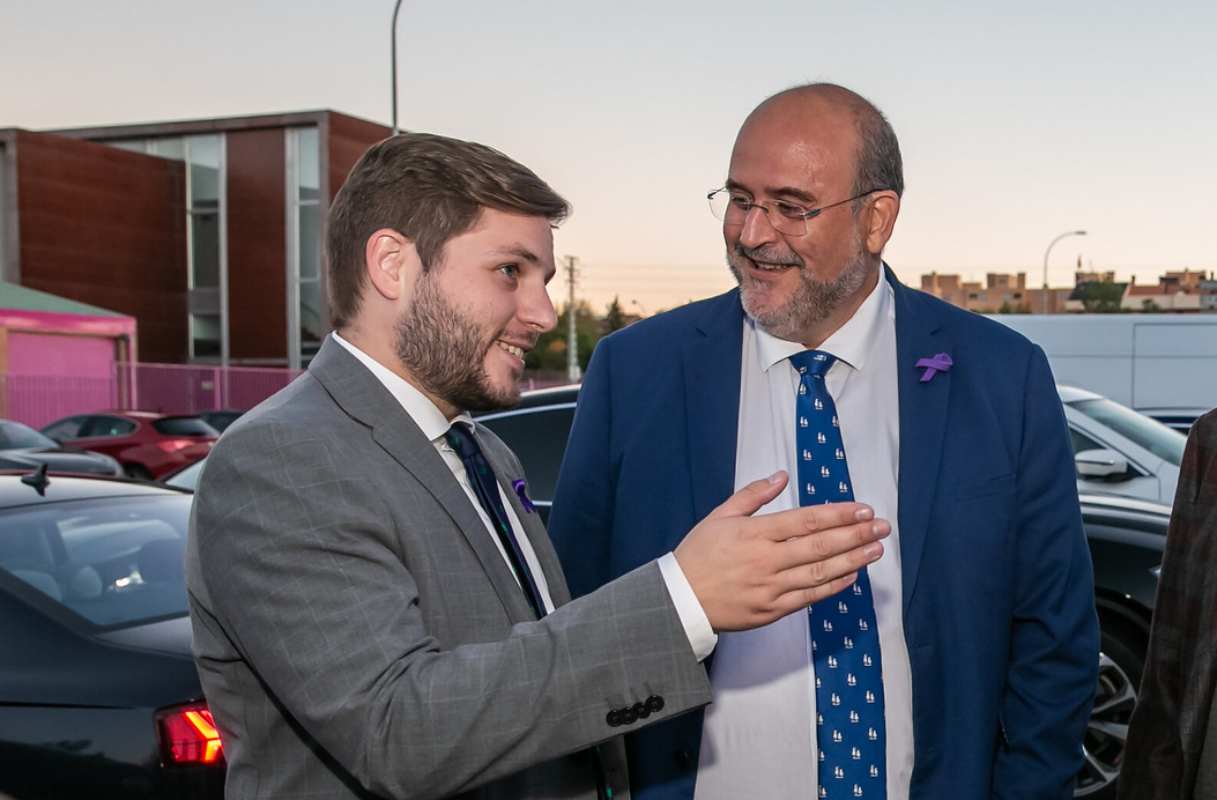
(1176, 291)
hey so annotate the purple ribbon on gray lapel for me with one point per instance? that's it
(519, 485)
(939, 363)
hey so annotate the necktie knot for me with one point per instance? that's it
(812, 362)
(460, 439)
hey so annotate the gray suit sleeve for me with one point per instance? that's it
(303, 566)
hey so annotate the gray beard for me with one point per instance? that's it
(812, 302)
(445, 352)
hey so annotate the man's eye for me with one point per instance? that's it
(791, 211)
(740, 201)
(510, 270)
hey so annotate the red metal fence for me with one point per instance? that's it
(175, 388)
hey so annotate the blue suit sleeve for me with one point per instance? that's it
(1054, 639)
(581, 520)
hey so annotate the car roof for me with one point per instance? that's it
(1072, 394)
(60, 488)
(537, 398)
(1114, 502)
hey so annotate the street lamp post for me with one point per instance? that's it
(1065, 235)
(393, 63)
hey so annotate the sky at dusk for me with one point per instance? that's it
(1017, 121)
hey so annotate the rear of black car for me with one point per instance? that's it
(99, 696)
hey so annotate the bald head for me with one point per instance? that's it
(876, 152)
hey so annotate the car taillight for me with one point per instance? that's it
(188, 735)
(173, 445)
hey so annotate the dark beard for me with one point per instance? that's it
(445, 352)
(813, 302)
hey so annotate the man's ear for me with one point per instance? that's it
(880, 219)
(392, 263)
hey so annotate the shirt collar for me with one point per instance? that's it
(850, 343)
(426, 414)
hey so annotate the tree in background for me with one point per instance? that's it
(614, 317)
(1101, 297)
(550, 353)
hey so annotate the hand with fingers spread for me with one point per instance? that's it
(748, 571)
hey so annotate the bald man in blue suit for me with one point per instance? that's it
(983, 599)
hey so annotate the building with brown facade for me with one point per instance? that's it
(208, 232)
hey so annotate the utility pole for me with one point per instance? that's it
(572, 342)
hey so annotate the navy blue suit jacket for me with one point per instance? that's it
(998, 590)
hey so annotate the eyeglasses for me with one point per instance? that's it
(733, 207)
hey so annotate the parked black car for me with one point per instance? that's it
(221, 418)
(99, 696)
(23, 448)
(1126, 539)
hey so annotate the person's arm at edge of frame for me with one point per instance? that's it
(1153, 763)
(1054, 638)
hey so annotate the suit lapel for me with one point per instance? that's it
(712, 388)
(362, 396)
(923, 423)
(547, 557)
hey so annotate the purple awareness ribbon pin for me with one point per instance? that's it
(519, 486)
(939, 363)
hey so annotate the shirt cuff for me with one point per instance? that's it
(702, 637)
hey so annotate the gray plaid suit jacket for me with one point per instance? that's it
(358, 633)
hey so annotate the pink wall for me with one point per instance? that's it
(53, 375)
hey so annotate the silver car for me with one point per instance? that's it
(1119, 451)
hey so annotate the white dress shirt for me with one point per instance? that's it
(434, 425)
(759, 738)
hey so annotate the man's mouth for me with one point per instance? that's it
(515, 350)
(766, 266)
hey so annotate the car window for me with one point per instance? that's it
(538, 436)
(184, 426)
(106, 426)
(1082, 442)
(115, 561)
(1148, 433)
(65, 429)
(14, 435)
(188, 478)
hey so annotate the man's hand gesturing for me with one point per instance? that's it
(748, 571)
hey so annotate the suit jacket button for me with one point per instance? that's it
(613, 718)
(640, 710)
(654, 704)
(628, 717)
(684, 759)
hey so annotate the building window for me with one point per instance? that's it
(4, 217)
(306, 318)
(206, 235)
(205, 338)
(203, 153)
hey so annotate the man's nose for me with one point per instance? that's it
(537, 310)
(756, 230)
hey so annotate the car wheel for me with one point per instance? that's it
(137, 472)
(1121, 662)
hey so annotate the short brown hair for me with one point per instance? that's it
(430, 189)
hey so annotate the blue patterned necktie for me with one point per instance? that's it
(486, 487)
(844, 637)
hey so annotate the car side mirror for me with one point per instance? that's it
(1099, 464)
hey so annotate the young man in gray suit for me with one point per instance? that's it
(377, 610)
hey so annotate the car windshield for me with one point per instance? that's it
(1164, 442)
(116, 561)
(15, 436)
(189, 477)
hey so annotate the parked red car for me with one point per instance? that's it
(147, 444)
